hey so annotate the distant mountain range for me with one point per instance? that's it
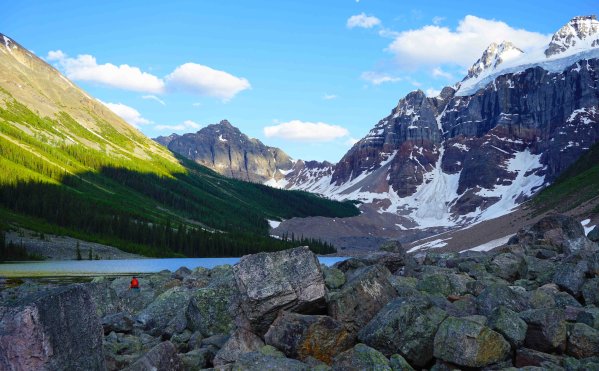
(474, 152)
(69, 165)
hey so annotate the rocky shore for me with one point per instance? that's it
(531, 304)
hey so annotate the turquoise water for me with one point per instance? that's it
(56, 268)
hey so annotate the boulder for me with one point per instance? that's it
(391, 260)
(361, 357)
(160, 312)
(209, 309)
(163, 357)
(444, 284)
(240, 342)
(468, 343)
(399, 363)
(531, 358)
(391, 246)
(361, 297)
(498, 295)
(265, 359)
(508, 324)
(594, 234)
(53, 330)
(583, 341)
(118, 322)
(570, 276)
(333, 277)
(508, 266)
(589, 316)
(406, 326)
(590, 291)
(196, 359)
(560, 231)
(302, 336)
(286, 280)
(546, 331)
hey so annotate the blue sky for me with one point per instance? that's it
(309, 77)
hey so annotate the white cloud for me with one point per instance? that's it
(155, 98)
(204, 80)
(377, 78)
(437, 20)
(187, 125)
(363, 21)
(129, 114)
(329, 96)
(305, 131)
(434, 45)
(438, 72)
(430, 92)
(85, 68)
(197, 104)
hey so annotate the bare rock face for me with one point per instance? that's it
(55, 330)
(286, 280)
(225, 149)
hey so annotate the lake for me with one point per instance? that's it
(70, 268)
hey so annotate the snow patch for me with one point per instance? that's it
(491, 244)
(273, 223)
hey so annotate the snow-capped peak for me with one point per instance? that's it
(494, 55)
(580, 33)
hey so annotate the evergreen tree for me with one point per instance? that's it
(89, 254)
(78, 250)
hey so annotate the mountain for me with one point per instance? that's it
(71, 166)
(226, 150)
(477, 150)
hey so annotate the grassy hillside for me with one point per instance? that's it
(575, 186)
(70, 166)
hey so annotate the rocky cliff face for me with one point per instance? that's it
(225, 149)
(482, 147)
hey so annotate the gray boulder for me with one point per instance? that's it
(590, 291)
(196, 359)
(333, 277)
(508, 266)
(570, 276)
(589, 316)
(501, 295)
(398, 363)
(546, 331)
(209, 309)
(361, 357)
(269, 282)
(508, 324)
(53, 330)
(444, 284)
(594, 234)
(406, 326)
(163, 357)
(267, 359)
(302, 336)
(240, 342)
(583, 341)
(366, 292)
(118, 322)
(161, 311)
(526, 357)
(468, 343)
(560, 231)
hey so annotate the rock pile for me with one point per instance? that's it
(533, 302)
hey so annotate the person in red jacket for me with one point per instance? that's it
(134, 283)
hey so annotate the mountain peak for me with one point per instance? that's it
(225, 122)
(580, 33)
(494, 55)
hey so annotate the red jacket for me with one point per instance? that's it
(134, 283)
